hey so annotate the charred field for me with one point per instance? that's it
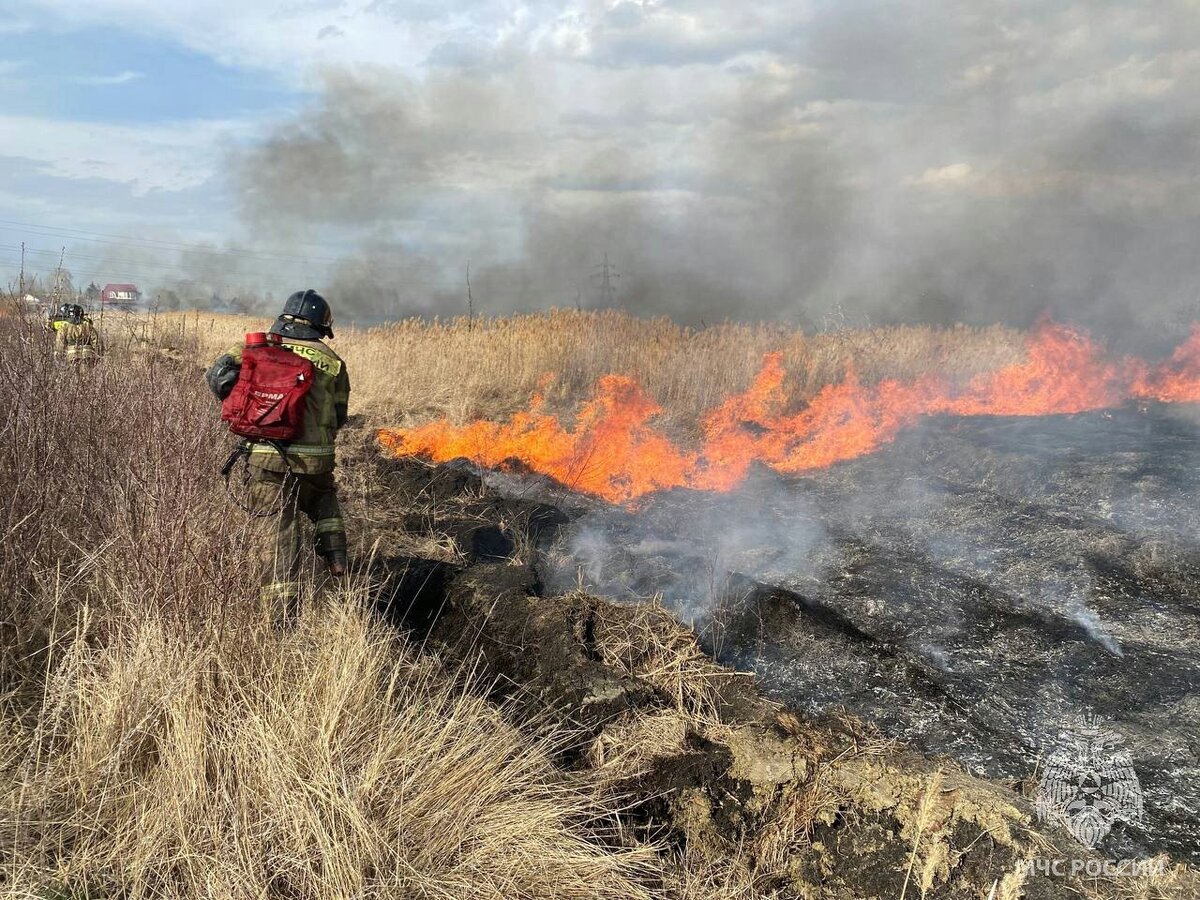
(970, 589)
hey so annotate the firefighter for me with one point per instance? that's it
(59, 318)
(75, 337)
(297, 477)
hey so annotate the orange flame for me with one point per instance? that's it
(612, 451)
(615, 452)
(1178, 379)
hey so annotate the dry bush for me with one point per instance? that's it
(111, 497)
(157, 738)
(323, 762)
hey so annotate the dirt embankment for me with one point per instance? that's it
(809, 808)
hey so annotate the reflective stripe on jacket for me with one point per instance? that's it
(324, 413)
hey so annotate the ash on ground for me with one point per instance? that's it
(970, 589)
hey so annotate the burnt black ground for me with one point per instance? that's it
(970, 589)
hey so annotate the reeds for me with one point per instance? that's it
(407, 372)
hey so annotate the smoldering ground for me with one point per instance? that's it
(969, 589)
(915, 162)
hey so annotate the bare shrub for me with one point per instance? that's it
(111, 497)
(159, 739)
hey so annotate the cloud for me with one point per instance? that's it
(14, 73)
(15, 24)
(693, 31)
(165, 157)
(108, 80)
(951, 176)
(289, 38)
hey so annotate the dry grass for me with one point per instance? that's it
(794, 821)
(408, 372)
(327, 762)
(936, 854)
(626, 750)
(158, 739)
(734, 878)
(649, 643)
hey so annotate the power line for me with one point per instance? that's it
(179, 267)
(98, 237)
(516, 281)
(143, 272)
(108, 239)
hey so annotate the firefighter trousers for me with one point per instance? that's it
(280, 498)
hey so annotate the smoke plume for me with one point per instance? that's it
(914, 162)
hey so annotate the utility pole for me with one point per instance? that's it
(470, 299)
(22, 294)
(58, 276)
(607, 274)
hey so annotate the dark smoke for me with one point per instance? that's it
(912, 162)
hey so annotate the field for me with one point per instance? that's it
(161, 739)
(407, 372)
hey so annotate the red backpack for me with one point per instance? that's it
(267, 403)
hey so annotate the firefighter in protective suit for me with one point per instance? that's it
(297, 477)
(59, 318)
(75, 337)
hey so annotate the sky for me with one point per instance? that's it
(811, 162)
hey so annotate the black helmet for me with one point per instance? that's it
(65, 310)
(305, 308)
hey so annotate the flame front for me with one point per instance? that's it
(614, 450)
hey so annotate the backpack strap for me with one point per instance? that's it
(242, 451)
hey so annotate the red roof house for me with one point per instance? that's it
(120, 294)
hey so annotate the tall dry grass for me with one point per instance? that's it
(410, 371)
(158, 738)
(325, 762)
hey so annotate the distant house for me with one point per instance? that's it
(124, 296)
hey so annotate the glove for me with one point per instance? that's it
(223, 376)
